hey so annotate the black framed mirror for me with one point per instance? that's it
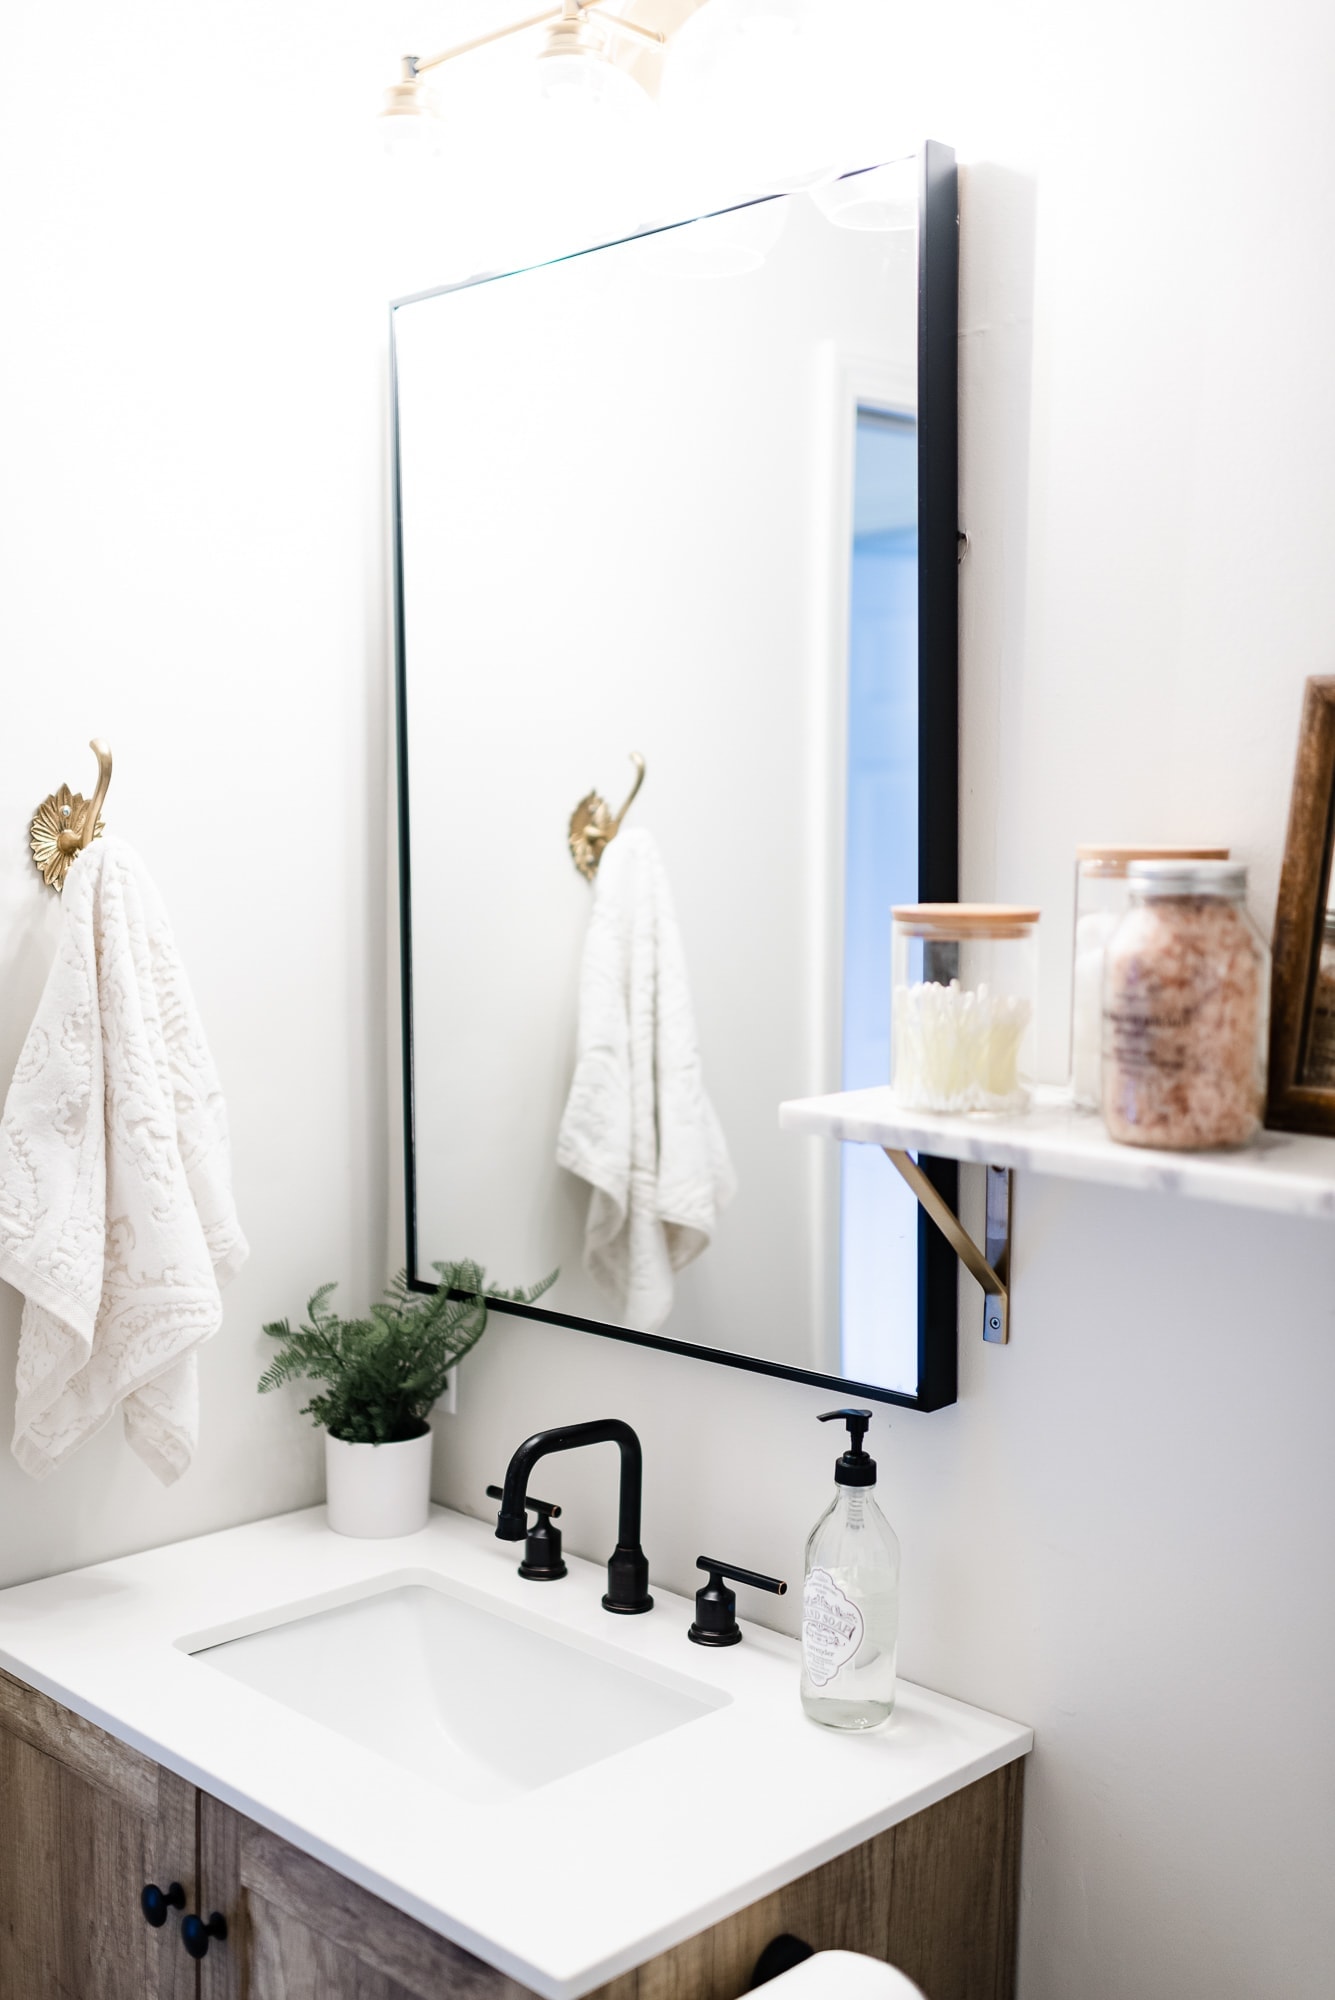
(690, 496)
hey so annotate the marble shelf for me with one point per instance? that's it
(1285, 1173)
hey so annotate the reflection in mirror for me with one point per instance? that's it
(663, 498)
(878, 1246)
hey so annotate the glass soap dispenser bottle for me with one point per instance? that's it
(850, 1600)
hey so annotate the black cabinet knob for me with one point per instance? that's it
(195, 1933)
(155, 1902)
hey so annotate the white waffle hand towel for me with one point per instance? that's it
(116, 1214)
(638, 1125)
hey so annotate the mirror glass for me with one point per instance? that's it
(661, 501)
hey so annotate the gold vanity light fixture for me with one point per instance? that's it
(593, 825)
(576, 30)
(65, 822)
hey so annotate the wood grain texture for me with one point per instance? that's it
(74, 1857)
(1008, 1906)
(275, 1876)
(222, 1972)
(954, 1890)
(106, 1856)
(78, 1745)
(29, 1867)
(176, 1859)
(289, 1961)
(1291, 1105)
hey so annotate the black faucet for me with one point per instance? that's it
(627, 1570)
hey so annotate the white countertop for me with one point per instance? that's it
(1289, 1173)
(564, 1887)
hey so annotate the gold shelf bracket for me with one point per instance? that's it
(991, 1267)
(66, 822)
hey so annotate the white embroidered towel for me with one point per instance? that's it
(638, 1125)
(116, 1214)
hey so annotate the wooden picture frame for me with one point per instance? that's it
(1293, 1105)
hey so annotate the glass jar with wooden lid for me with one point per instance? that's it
(962, 1012)
(1102, 898)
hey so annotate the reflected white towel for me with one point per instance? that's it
(637, 1124)
(116, 1214)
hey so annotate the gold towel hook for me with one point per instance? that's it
(593, 824)
(65, 822)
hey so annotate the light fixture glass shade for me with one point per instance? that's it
(580, 69)
(411, 140)
(408, 122)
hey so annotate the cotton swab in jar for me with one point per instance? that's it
(957, 1049)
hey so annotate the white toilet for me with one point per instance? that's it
(842, 1975)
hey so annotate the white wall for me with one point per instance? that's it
(1121, 1533)
(191, 564)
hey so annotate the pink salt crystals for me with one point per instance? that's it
(1185, 1006)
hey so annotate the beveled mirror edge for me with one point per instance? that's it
(938, 766)
(1291, 1105)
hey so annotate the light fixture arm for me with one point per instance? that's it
(421, 63)
(653, 36)
(569, 10)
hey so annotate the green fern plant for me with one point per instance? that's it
(384, 1374)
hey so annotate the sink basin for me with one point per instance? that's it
(480, 1704)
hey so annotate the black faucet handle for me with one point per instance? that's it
(716, 1605)
(543, 1562)
(546, 1510)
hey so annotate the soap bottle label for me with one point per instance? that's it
(831, 1627)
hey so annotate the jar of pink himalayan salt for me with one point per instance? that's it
(1186, 1003)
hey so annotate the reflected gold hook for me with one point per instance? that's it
(593, 824)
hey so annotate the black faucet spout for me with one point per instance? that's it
(627, 1569)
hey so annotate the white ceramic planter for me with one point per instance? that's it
(377, 1490)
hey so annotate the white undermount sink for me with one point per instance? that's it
(476, 1702)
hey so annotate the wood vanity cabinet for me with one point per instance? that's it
(85, 1822)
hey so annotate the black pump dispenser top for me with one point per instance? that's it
(854, 1468)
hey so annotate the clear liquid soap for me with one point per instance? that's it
(850, 1600)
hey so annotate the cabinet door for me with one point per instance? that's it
(299, 1931)
(86, 1823)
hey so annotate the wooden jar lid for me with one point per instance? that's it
(999, 920)
(1114, 855)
